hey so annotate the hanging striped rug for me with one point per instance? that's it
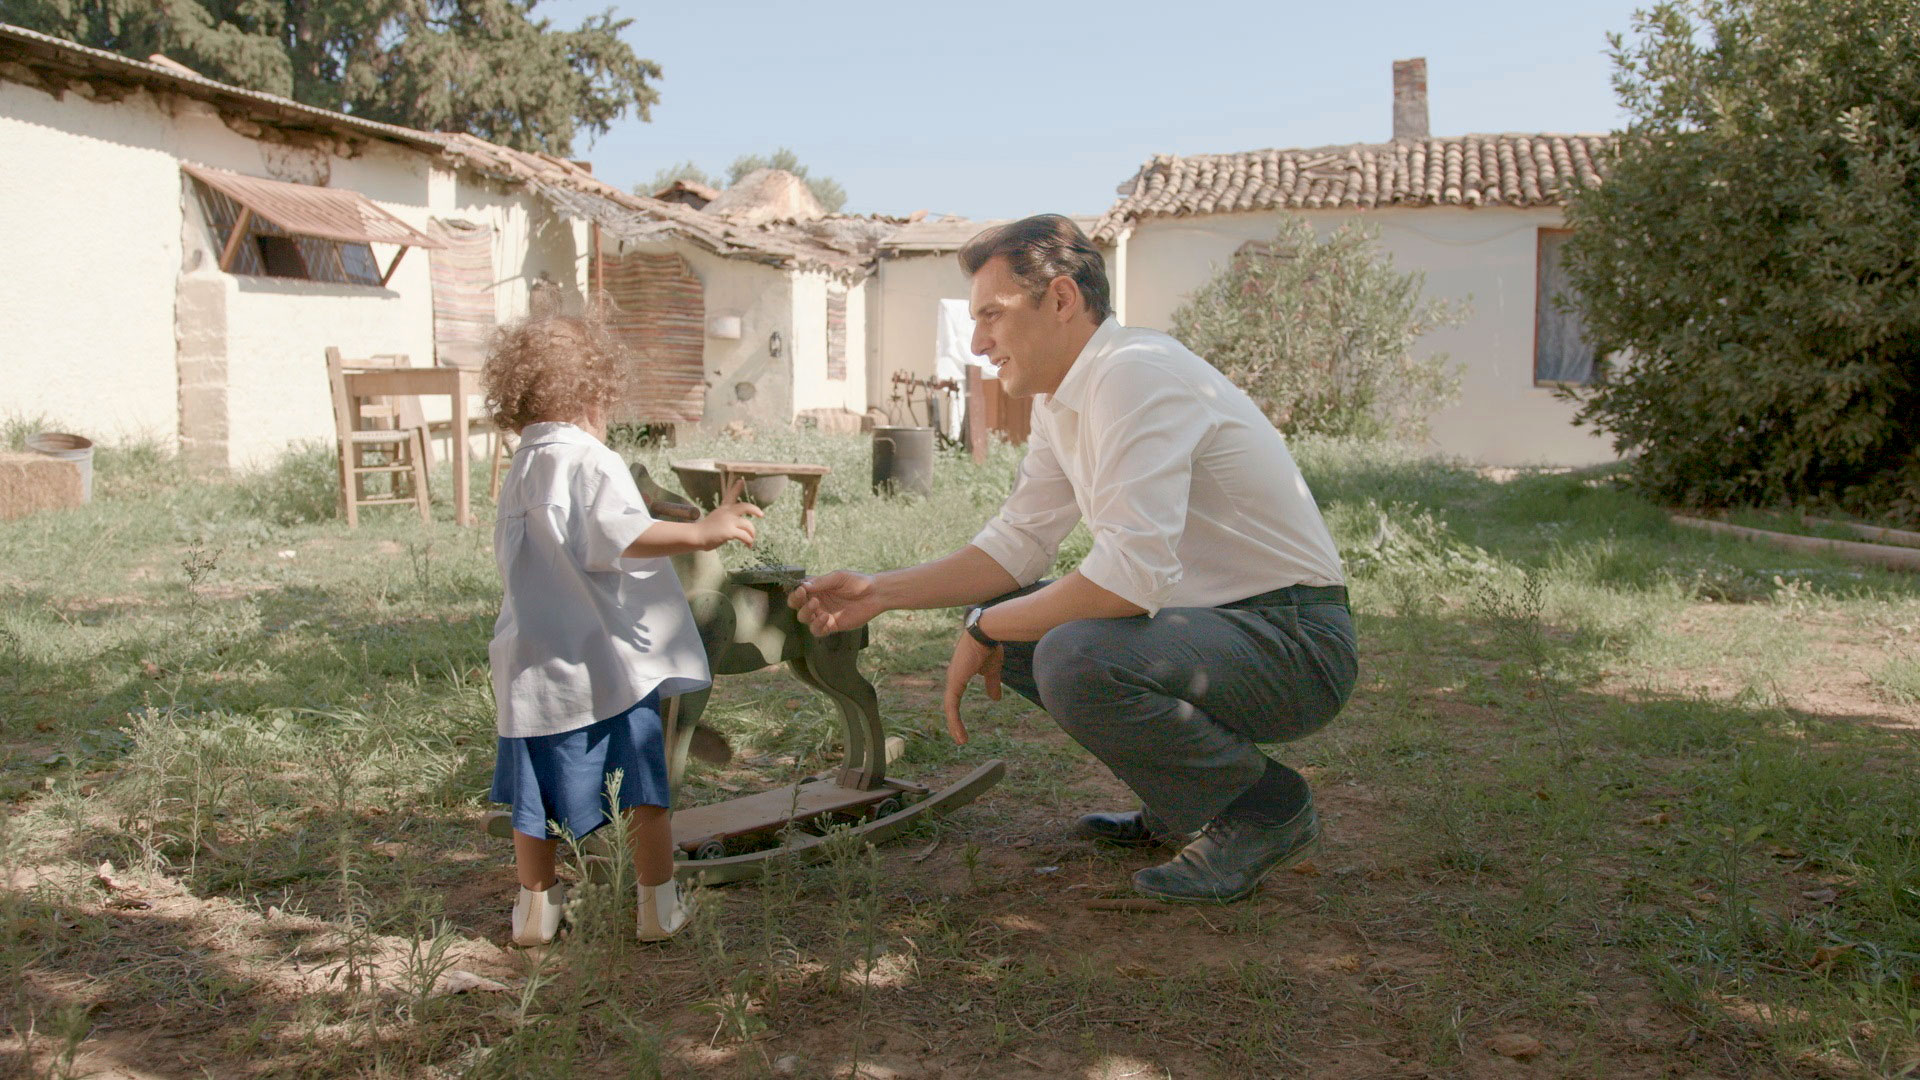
(463, 299)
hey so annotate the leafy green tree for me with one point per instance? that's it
(826, 190)
(1754, 253)
(1321, 334)
(486, 67)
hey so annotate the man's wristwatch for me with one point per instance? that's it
(972, 625)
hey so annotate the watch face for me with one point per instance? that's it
(972, 626)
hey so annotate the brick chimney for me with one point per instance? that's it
(1410, 98)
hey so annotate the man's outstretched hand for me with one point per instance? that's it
(831, 603)
(970, 658)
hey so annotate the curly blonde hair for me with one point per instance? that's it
(550, 367)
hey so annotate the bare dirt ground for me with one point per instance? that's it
(1346, 967)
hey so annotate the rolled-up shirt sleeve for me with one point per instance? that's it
(1145, 425)
(612, 515)
(1026, 534)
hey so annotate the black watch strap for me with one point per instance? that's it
(973, 627)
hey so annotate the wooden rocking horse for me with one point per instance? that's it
(746, 625)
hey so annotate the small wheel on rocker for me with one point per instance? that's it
(888, 807)
(712, 849)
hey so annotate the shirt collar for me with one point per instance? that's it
(1072, 391)
(555, 431)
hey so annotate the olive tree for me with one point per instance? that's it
(1322, 334)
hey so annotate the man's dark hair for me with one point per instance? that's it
(1039, 249)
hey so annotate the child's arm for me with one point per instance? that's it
(731, 520)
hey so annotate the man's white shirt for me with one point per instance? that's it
(1191, 495)
(583, 633)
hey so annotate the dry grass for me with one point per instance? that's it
(1611, 800)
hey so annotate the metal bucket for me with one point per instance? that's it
(75, 448)
(903, 460)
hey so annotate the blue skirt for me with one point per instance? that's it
(562, 778)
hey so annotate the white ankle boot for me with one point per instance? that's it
(663, 910)
(536, 915)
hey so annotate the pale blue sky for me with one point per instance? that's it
(1000, 108)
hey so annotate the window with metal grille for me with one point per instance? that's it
(267, 250)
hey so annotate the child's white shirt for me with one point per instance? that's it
(583, 633)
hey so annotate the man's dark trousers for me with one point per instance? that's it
(1175, 704)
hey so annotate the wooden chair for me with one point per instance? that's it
(389, 413)
(374, 437)
(405, 413)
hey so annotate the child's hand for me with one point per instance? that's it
(731, 520)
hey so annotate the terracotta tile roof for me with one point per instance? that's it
(842, 245)
(948, 234)
(839, 244)
(704, 192)
(686, 193)
(1466, 170)
(53, 62)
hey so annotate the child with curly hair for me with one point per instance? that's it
(594, 632)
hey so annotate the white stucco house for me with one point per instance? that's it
(196, 247)
(1481, 216)
(764, 295)
(123, 323)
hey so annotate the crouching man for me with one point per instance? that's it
(1210, 615)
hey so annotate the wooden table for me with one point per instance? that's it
(456, 383)
(807, 476)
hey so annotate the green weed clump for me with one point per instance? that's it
(1899, 678)
(1411, 541)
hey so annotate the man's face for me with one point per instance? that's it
(1019, 335)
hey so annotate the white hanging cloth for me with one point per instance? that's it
(953, 355)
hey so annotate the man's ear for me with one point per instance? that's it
(1064, 294)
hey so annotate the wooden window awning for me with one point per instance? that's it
(336, 214)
